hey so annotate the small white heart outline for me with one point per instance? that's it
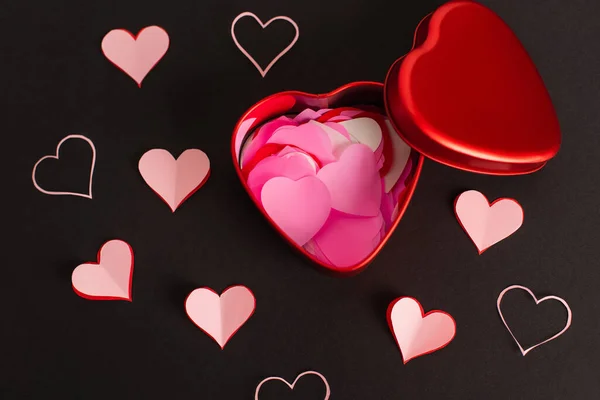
(537, 302)
(87, 195)
(263, 26)
(293, 384)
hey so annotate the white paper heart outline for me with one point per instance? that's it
(263, 26)
(562, 301)
(87, 195)
(291, 386)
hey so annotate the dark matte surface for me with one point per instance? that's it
(55, 81)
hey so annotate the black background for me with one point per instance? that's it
(55, 81)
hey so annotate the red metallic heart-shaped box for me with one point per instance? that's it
(467, 95)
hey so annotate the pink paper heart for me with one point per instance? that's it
(174, 180)
(564, 303)
(263, 72)
(87, 195)
(309, 137)
(487, 224)
(293, 384)
(354, 182)
(299, 208)
(136, 55)
(109, 278)
(418, 333)
(220, 317)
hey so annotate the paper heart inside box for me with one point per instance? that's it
(332, 175)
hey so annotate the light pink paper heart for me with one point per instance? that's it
(487, 224)
(299, 208)
(136, 55)
(293, 384)
(174, 180)
(295, 167)
(354, 182)
(220, 317)
(87, 195)
(563, 302)
(263, 72)
(418, 333)
(108, 279)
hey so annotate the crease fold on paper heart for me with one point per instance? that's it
(174, 180)
(110, 277)
(136, 55)
(485, 223)
(537, 302)
(292, 385)
(263, 72)
(220, 317)
(417, 333)
(87, 195)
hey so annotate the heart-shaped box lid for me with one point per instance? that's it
(469, 96)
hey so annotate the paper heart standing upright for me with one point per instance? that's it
(293, 384)
(485, 223)
(136, 55)
(263, 72)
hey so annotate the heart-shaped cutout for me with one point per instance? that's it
(136, 55)
(537, 302)
(417, 333)
(292, 385)
(174, 180)
(263, 72)
(485, 223)
(87, 195)
(108, 279)
(468, 95)
(220, 317)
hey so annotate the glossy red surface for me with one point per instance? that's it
(469, 96)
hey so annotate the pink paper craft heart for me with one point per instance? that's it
(174, 180)
(299, 208)
(485, 223)
(354, 182)
(220, 317)
(418, 333)
(264, 72)
(293, 384)
(108, 279)
(563, 302)
(87, 195)
(136, 55)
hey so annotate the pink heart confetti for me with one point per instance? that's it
(354, 182)
(294, 166)
(108, 279)
(555, 298)
(293, 384)
(174, 180)
(485, 223)
(220, 317)
(418, 333)
(299, 208)
(136, 55)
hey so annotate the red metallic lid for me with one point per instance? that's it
(469, 96)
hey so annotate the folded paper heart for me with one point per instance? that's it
(321, 182)
(174, 180)
(108, 279)
(136, 55)
(418, 333)
(220, 317)
(293, 384)
(555, 298)
(485, 223)
(87, 195)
